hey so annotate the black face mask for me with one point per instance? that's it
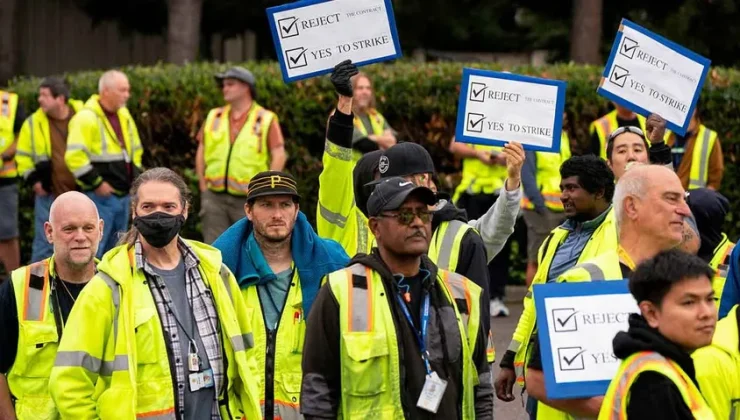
(159, 228)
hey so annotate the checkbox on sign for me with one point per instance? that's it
(565, 319)
(628, 47)
(296, 58)
(288, 27)
(475, 122)
(619, 76)
(571, 358)
(477, 92)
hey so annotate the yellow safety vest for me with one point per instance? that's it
(718, 369)
(92, 140)
(286, 361)
(703, 146)
(230, 166)
(117, 367)
(608, 123)
(603, 239)
(370, 370)
(548, 175)
(720, 264)
(38, 340)
(377, 122)
(34, 140)
(479, 178)
(616, 399)
(8, 108)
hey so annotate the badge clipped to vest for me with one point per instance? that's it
(431, 394)
(198, 379)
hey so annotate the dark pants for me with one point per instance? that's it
(498, 269)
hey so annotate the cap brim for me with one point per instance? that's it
(426, 196)
(272, 193)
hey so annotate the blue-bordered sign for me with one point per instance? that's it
(313, 36)
(650, 74)
(496, 108)
(576, 324)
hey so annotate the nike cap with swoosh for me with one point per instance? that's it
(391, 193)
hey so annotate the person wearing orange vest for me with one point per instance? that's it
(35, 305)
(236, 142)
(619, 117)
(11, 121)
(697, 156)
(371, 129)
(657, 379)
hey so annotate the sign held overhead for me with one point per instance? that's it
(650, 74)
(496, 108)
(313, 36)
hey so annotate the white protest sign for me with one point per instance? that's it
(311, 37)
(496, 108)
(650, 74)
(577, 326)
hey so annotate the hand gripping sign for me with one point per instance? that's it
(496, 108)
(312, 36)
(650, 74)
(577, 323)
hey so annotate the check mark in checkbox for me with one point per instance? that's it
(477, 92)
(565, 319)
(288, 27)
(475, 122)
(628, 47)
(619, 75)
(571, 358)
(296, 58)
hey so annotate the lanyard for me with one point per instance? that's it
(421, 336)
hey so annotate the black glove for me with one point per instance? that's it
(341, 75)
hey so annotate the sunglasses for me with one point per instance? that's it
(625, 129)
(407, 216)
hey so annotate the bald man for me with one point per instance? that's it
(104, 153)
(38, 300)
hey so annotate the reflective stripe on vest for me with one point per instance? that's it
(360, 298)
(594, 271)
(377, 122)
(444, 249)
(36, 299)
(8, 109)
(721, 264)
(703, 146)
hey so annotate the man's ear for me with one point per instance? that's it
(374, 223)
(650, 312)
(630, 207)
(186, 210)
(248, 211)
(48, 232)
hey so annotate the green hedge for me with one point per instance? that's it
(419, 100)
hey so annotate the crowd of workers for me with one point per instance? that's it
(384, 310)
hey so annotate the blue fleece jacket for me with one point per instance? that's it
(313, 256)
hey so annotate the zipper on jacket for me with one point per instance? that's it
(270, 355)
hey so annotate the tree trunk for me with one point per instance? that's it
(585, 33)
(183, 30)
(7, 40)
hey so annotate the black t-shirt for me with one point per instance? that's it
(415, 295)
(66, 293)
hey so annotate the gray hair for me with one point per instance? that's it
(633, 183)
(108, 79)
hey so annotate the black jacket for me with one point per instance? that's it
(321, 389)
(651, 389)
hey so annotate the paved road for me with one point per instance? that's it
(503, 329)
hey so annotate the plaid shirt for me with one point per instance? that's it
(204, 316)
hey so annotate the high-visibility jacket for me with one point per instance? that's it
(8, 108)
(720, 263)
(370, 370)
(718, 369)
(548, 175)
(38, 339)
(116, 365)
(337, 215)
(604, 239)
(479, 178)
(608, 123)
(93, 144)
(377, 123)
(279, 354)
(230, 166)
(34, 140)
(703, 146)
(616, 399)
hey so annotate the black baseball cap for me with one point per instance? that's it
(405, 159)
(391, 193)
(272, 183)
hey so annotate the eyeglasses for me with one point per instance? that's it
(625, 129)
(407, 216)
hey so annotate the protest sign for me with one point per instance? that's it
(496, 108)
(577, 323)
(313, 36)
(650, 74)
